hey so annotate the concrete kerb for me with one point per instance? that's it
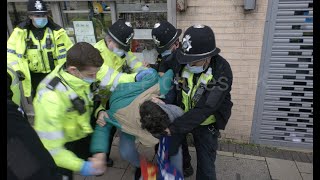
(231, 154)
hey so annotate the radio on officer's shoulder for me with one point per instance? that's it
(79, 105)
(199, 92)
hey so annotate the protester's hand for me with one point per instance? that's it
(168, 131)
(143, 73)
(100, 120)
(145, 64)
(157, 100)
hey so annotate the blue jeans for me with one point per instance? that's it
(129, 152)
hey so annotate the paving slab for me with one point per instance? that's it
(305, 167)
(129, 173)
(111, 174)
(283, 169)
(233, 168)
(78, 177)
(306, 176)
(118, 162)
(147, 152)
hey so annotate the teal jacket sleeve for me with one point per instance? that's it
(100, 139)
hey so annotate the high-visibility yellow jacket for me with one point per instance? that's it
(116, 62)
(112, 63)
(56, 119)
(192, 88)
(38, 55)
(14, 86)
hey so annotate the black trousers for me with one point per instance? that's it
(36, 78)
(80, 148)
(206, 144)
(112, 133)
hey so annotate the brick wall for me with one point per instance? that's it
(239, 35)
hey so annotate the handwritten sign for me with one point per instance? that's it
(84, 31)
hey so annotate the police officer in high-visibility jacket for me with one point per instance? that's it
(36, 46)
(63, 106)
(205, 85)
(115, 51)
(13, 89)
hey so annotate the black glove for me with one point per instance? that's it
(21, 76)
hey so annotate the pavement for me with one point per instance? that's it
(229, 166)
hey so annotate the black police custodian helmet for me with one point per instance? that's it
(164, 35)
(37, 6)
(198, 42)
(122, 33)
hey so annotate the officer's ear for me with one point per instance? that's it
(73, 70)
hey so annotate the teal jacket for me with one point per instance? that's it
(122, 96)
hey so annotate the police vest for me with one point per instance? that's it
(41, 53)
(189, 93)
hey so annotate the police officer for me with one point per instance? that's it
(63, 106)
(13, 89)
(166, 39)
(115, 51)
(205, 96)
(36, 46)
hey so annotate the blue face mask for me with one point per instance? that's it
(89, 80)
(118, 52)
(195, 69)
(40, 22)
(166, 53)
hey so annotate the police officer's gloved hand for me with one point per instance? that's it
(88, 170)
(143, 73)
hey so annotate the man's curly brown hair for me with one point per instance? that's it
(153, 118)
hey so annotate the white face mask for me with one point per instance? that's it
(166, 52)
(196, 69)
(118, 52)
(89, 80)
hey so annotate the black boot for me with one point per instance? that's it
(109, 162)
(156, 147)
(187, 171)
(137, 174)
